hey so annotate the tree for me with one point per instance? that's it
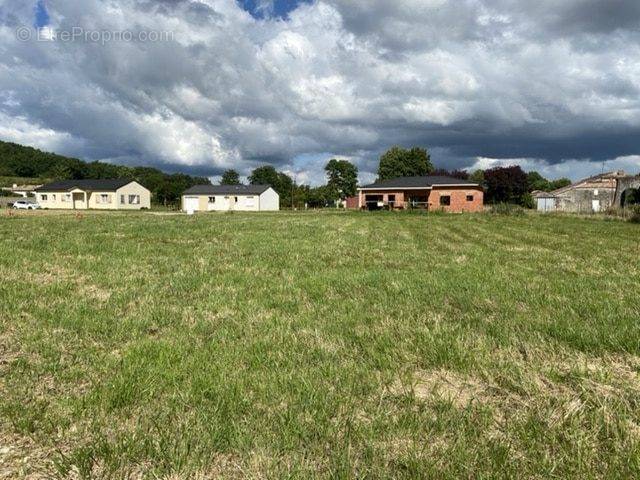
(559, 183)
(459, 174)
(230, 177)
(280, 182)
(400, 162)
(266, 175)
(535, 181)
(538, 182)
(477, 176)
(342, 178)
(505, 185)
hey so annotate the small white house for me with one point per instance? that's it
(223, 198)
(101, 194)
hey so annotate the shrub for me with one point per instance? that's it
(634, 214)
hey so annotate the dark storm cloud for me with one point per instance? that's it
(470, 79)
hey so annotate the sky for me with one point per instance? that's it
(551, 86)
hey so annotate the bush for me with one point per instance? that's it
(634, 214)
(528, 201)
(506, 209)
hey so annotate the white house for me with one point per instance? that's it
(222, 198)
(101, 194)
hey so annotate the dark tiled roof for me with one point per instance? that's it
(226, 190)
(417, 182)
(102, 185)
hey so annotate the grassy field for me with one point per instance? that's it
(319, 345)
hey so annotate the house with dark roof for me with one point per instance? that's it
(99, 194)
(435, 193)
(223, 198)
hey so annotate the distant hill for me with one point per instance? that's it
(27, 162)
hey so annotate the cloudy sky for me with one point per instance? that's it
(550, 85)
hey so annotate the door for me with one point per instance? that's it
(78, 200)
(546, 204)
(595, 205)
(191, 204)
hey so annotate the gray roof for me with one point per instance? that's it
(227, 190)
(417, 182)
(102, 185)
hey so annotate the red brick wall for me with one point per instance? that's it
(459, 202)
(458, 196)
(352, 202)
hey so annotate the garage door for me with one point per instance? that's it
(191, 204)
(546, 204)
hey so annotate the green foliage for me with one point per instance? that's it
(21, 161)
(477, 176)
(528, 201)
(230, 177)
(401, 162)
(342, 178)
(634, 213)
(559, 183)
(535, 181)
(505, 185)
(279, 181)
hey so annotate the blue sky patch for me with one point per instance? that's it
(41, 14)
(271, 8)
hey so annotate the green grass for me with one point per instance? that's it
(319, 345)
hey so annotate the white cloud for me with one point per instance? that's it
(467, 78)
(572, 169)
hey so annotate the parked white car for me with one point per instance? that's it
(25, 205)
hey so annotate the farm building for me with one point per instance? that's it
(103, 194)
(590, 195)
(220, 198)
(428, 192)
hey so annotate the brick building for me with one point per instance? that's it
(433, 193)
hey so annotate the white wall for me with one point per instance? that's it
(269, 200)
(133, 188)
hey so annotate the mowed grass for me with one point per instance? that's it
(319, 345)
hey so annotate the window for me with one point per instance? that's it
(469, 198)
(122, 199)
(391, 200)
(212, 199)
(134, 199)
(53, 197)
(249, 202)
(595, 192)
(66, 197)
(104, 198)
(235, 199)
(445, 200)
(43, 198)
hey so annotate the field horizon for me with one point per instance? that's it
(318, 344)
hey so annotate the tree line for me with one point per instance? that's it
(20, 161)
(502, 184)
(342, 182)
